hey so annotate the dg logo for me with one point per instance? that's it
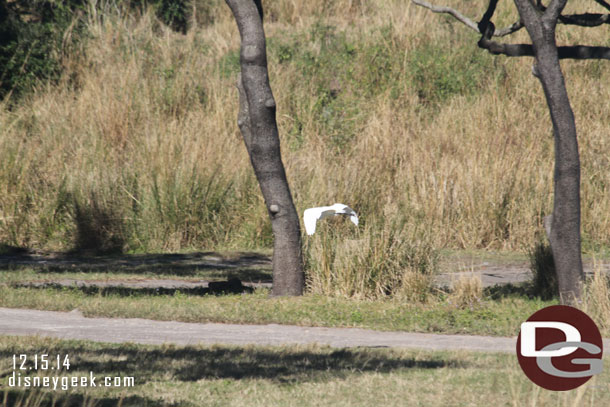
(560, 348)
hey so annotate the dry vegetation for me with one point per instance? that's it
(381, 105)
(597, 301)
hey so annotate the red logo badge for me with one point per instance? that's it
(560, 348)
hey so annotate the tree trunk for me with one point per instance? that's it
(565, 226)
(258, 125)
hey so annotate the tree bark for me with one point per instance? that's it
(565, 225)
(258, 125)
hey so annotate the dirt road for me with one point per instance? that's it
(251, 268)
(72, 325)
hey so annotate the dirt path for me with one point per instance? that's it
(500, 273)
(490, 274)
(253, 269)
(72, 325)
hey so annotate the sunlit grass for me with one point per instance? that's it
(294, 375)
(488, 317)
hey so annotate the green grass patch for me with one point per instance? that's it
(291, 375)
(431, 69)
(488, 317)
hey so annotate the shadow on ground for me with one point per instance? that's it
(519, 290)
(231, 286)
(247, 266)
(191, 364)
(48, 399)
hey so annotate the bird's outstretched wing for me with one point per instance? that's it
(312, 215)
(310, 218)
(346, 210)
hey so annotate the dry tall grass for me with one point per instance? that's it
(381, 105)
(467, 291)
(597, 300)
(374, 262)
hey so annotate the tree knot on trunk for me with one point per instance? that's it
(250, 53)
(535, 70)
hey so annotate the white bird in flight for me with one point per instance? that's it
(312, 215)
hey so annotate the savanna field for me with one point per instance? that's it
(133, 146)
(118, 136)
(381, 105)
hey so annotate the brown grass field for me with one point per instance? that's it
(383, 106)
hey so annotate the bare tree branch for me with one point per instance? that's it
(502, 32)
(526, 50)
(465, 20)
(486, 19)
(448, 10)
(582, 20)
(585, 20)
(583, 52)
(487, 29)
(510, 50)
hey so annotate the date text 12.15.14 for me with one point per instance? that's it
(41, 362)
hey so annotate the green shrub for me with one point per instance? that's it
(433, 73)
(31, 35)
(338, 67)
(179, 14)
(174, 13)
